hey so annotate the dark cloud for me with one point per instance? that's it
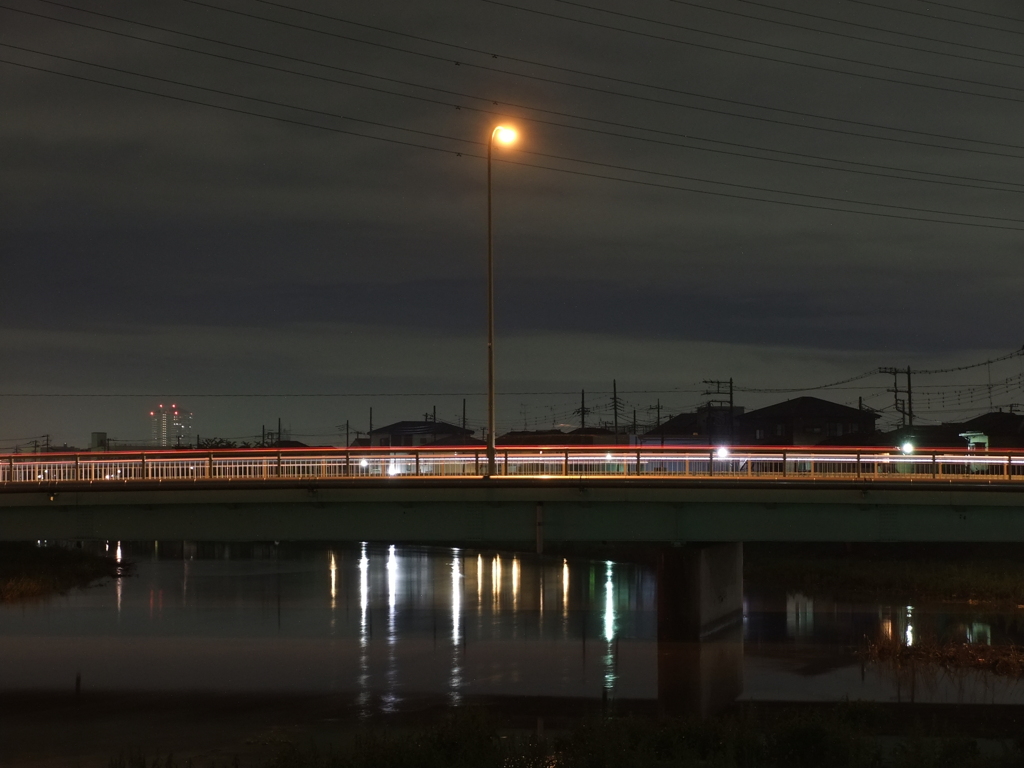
(125, 212)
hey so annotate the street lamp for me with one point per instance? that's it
(506, 136)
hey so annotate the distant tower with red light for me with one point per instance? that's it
(171, 426)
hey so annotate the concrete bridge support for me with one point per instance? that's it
(700, 590)
(700, 634)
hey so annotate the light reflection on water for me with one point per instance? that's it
(231, 618)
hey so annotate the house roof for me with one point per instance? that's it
(458, 441)
(682, 424)
(808, 408)
(996, 423)
(421, 428)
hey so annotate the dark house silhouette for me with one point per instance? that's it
(418, 433)
(1002, 429)
(805, 421)
(579, 436)
(708, 425)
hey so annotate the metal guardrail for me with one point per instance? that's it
(541, 462)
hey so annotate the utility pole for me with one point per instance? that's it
(615, 407)
(907, 412)
(910, 400)
(720, 391)
(278, 431)
(463, 413)
(583, 410)
(657, 422)
(368, 434)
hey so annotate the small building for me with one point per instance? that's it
(708, 425)
(990, 431)
(803, 421)
(417, 433)
(580, 436)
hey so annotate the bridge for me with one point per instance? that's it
(694, 506)
(539, 494)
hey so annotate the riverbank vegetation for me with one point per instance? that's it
(1000, 660)
(845, 735)
(990, 574)
(839, 736)
(31, 572)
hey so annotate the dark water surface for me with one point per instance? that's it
(392, 629)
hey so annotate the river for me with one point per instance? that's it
(380, 630)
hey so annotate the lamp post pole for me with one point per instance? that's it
(505, 136)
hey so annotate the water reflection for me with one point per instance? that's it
(455, 680)
(363, 680)
(244, 618)
(609, 630)
(390, 699)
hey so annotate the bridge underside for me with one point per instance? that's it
(515, 511)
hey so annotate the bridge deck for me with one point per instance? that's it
(402, 465)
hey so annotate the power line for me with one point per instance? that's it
(762, 57)
(763, 390)
(584, 174)
(608, 78)
(940, 18)
(984, 183)
(847, 36)
(974, 10)
(1008, 356)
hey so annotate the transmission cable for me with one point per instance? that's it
(1016, 19)
(984, 183)
(545, 155)
(848, 23)
(939, 18)
(762, 57)
(847, 36)
(609, 78)
(584, 174)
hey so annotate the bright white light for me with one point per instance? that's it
(334, 579)
(609, 604)
(364, 593)
(608, 457)
(907, 447)
(392, 469)
(722, 453)
(392, 578)
(364, 463)
(505, 135)
(456, 596)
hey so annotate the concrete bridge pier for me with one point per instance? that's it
(700, 634)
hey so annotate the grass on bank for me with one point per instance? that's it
(29, 572)
(840, 736)
(991, 573)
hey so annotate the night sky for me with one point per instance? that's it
(786, 192)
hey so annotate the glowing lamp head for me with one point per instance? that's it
(907, 447)
(722, 453)
(505, 135)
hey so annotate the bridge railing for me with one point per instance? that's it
(292, 464)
